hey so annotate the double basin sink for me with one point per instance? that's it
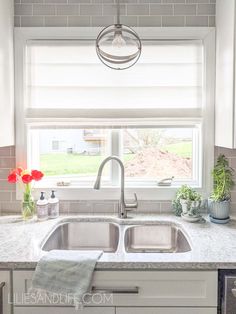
(162, 237)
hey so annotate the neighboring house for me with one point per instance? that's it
(72, 141)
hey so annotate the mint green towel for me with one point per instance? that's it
(66, 272)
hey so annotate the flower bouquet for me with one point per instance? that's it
(25, 178)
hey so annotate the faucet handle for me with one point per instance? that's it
(132, 205)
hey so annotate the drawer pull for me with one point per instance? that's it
(234, 292)
(2, 284)
(116, 290)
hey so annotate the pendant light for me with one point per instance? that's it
(118, 46)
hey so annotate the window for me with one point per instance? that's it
(149, 154)
(77, 111)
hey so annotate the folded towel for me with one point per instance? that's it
(66, 272)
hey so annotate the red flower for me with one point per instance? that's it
(36, 175)
(27, 178)
(12, 178)
(18, 170)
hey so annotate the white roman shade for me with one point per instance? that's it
(66, 74)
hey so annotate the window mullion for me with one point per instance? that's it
(115, 151)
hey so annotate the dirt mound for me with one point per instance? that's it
(153, 162)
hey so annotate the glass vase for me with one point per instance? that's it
(28, 205)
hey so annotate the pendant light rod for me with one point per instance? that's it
(118, 12)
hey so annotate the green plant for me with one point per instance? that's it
(188, 193)
(184, 193)
(222, 175)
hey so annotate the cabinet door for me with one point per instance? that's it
(63, 310)
(6, 73)
(177, 310)
(6, 297)
(225, 80)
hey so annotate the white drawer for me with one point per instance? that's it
(63, 310)
(169, 310)
(144, 288)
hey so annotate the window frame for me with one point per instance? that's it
(205, 116)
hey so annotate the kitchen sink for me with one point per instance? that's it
(83, 236)
(158, 238)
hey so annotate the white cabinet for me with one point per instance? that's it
(5, 292)
(6, 73)
(225, 113)
(152, 290)
(176, 310)
(63, 310)
(159, 288)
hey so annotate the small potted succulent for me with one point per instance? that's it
(219, 201)
(187, 202)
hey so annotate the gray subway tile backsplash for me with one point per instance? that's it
(138, 9)
(185, 9)
(79, 21)
(161, 9)
(173, 1)
(206, 9)
(91, 9)
(211, 21)
(130, 20)
(44, 9)
(32, 21)
(197, 21)
(100, 20)
(102, 13)
(149, 21)
(67, 9)
(23, 9)
(110, 9)
(173, 21)
(29, 1)
(55, 21)
(55, 1)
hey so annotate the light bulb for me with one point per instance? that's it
(118, 40)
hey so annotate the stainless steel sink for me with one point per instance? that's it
(83, 236)
(159, 238)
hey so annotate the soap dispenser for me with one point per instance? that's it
(53, 206)
(42, 208)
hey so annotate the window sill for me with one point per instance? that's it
(71, 193)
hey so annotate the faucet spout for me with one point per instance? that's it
(123, 206)
(97, 184)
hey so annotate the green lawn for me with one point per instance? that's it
(54, 164)
(63, 164)
(181, 149)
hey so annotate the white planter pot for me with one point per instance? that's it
(219, 210)
(190, 207)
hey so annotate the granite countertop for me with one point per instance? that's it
(213, 246)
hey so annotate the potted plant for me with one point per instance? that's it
(25, 178)
(187, 202)
(219, 201)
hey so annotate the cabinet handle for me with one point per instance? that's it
(116, 290)
(2, 284)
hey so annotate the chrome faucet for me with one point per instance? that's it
(123, 206)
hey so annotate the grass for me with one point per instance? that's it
(181, 149)
(63, 164)
(54, 164)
